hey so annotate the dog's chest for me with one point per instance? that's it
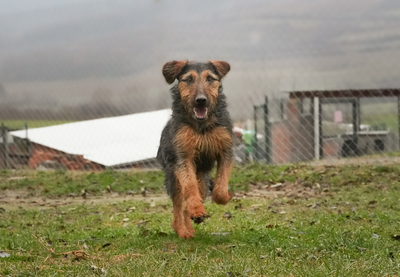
(212, 143)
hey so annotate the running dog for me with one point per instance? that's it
(198, 135)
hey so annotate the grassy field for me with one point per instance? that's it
(390, 120)
(20, 124)
(293, 220)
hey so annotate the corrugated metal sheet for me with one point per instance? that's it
(107, 141)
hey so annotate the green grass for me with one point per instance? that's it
(347, 228)
(390, 120)
(20, 124)
(61, 183)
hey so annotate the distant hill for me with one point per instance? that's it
(56, 56)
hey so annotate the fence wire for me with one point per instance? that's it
(311, 81)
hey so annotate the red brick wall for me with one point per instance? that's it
(292, 140)
(42, 153)
(331, 148)
(280, 140)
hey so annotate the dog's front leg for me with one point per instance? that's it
(220, 194)
(191, 194)
(180, 221)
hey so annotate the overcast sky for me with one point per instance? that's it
(66, 50)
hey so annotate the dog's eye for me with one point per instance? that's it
(210, 79)
(188, 79)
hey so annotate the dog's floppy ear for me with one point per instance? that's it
(221, 67)
(172, 69)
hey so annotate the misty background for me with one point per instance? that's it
(75, 60)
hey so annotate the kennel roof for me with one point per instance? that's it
(356, 93)
(113, 141)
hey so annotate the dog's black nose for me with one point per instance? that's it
(201, 100)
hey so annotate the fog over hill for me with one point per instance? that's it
(65, 55)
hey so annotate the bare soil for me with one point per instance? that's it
(14, 199)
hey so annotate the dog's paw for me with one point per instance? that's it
(190, 229)
(197, 212)
(188, 225)
(182, 231)
(185, 234)
(221, 198)
(198, 219)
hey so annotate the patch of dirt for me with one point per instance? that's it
(290, 190)
(14, 199)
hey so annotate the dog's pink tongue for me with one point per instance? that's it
(200, 111)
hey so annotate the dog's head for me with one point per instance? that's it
(198, 84)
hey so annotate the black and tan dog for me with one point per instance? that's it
(198, 135)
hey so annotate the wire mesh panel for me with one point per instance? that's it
(81, 86)
(261, 138)
(350, 124)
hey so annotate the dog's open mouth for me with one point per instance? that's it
(200, 112)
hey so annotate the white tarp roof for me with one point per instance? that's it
(108, 141)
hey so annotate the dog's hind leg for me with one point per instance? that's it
(202, 184)
(181, 216)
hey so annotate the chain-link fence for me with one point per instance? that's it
(327, 125)
(81, 85)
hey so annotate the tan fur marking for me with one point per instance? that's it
(187, 74)
(211, 89)
(185, 89)
(202, 186)
(186, 175)
(188, 221)
(205, 73)
(179, 222)
(191, 144)
(220, 194)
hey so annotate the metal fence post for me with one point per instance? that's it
(267, 132)
(28, 143)
(5, 143)
(356, 123)
(321, 134)
(282, 109)
(398, 120)
(255, 133)
(317, 129)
